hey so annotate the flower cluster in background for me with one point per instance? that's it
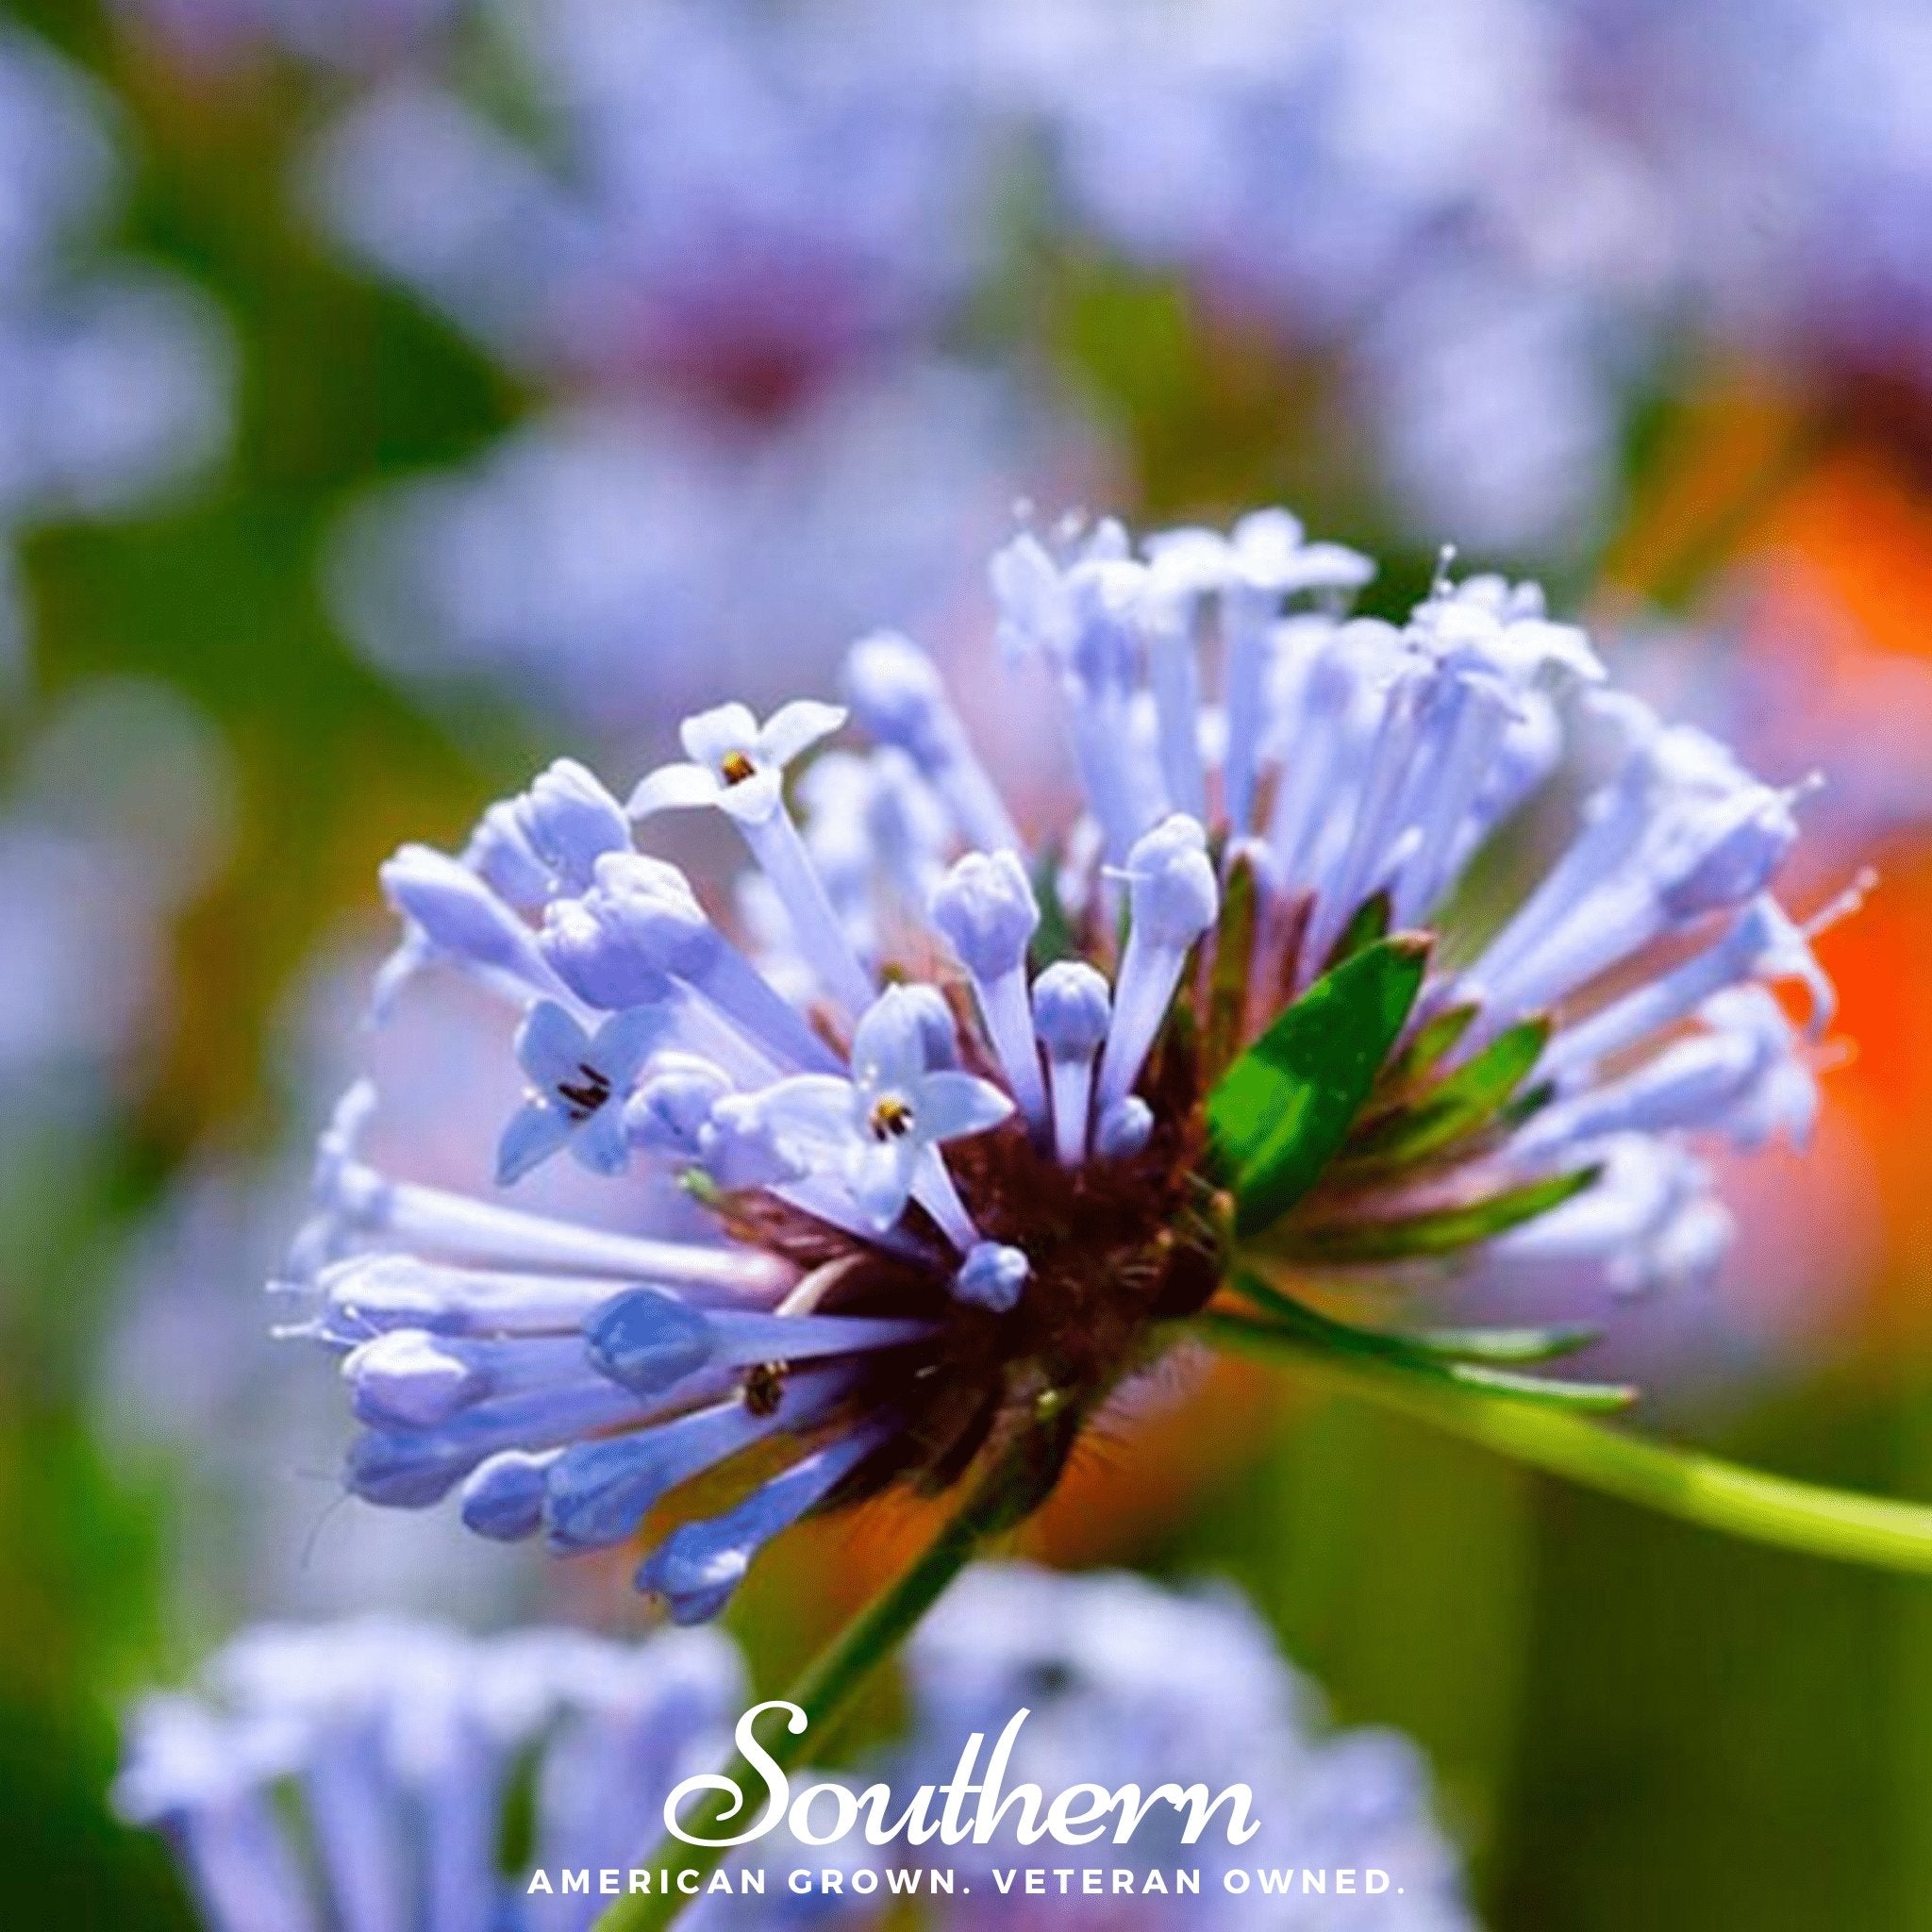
(408, 1744)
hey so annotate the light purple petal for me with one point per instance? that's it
(880, 1173)
(675, 787)
(535, 1132)
(796, 728)
(950, 1105)
(815, 1112)
(710, 737)
(551, 1047)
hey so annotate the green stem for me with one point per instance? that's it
(1838, 1523)
(822, 1691)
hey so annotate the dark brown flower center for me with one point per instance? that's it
(736, 767)
(582, 1098)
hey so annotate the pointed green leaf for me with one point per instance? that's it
(1840, 1524)
(1433, 1038)
(1586, 1395)
(1279, 1114)
(1467, 1100)
(1370, 923)
(1441, 1231)
(1423, 1355)
(1507, 1346)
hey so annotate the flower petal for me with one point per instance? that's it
(796, 728)
(600, 1143)
(675, 787)
(551, 1047)
(812, 1113)
(535, 1132)
(880, 1173)
(710, 737)
(888, 1045)
(949, 1104)
(626, 1040)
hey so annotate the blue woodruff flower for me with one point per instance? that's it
(366, 1774)
(1127, 1682)
(360, 1775)
(973, 1116)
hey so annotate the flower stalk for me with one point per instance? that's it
(1006, 1494)
(1809, 1518)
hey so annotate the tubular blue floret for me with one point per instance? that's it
(1173, 900)
(994, 1276)
(579, 1084)
(448, 1224)
(1740, 1073)
(502, 1496)
(1085, 616)
(739, 766)
(598, 1492)
(649, 1338)
(372, 1294)
(640, 923)
(698, 1566)
(500, 853)
(569, 821)
(673, 1105)
(1649, 1221)
(416, 1378)
(1761, 942)
(1123, 1128)
(898, 696)
(1072, 1011)
(985, 910)
(412, 1469)
(462, 920)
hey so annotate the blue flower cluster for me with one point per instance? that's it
(360, 1775)
(948, 1144)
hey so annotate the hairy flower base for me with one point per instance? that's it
(1116, 1247)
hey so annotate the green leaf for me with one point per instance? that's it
(1053, 938)
(1441, 1231)
(1464, 1103)
(1370, 923)
(1433, 1038)
(1599, 1396)
(1281, 1112)
(1418, 1354)
(1840, 1524)
(1508, 1345)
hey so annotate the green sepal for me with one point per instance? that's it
(1462, 1104)
(1053, 938)
(1440, 1231)
(1281, 1112)
(1370, 923)
(1507, 1347)
(1419, 1354)
(1433, 1040)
